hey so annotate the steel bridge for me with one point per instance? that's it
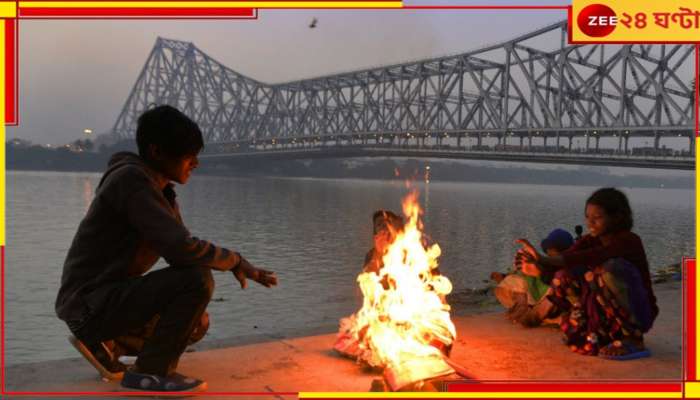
(528, 99)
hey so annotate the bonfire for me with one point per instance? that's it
(404, 325)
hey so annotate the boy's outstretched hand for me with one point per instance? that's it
(246, 270)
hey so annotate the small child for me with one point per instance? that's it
(601, 284)
(523, 295)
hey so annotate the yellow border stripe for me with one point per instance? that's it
(211, 4)
(496, 395)
(8, 9)
(692, 389)
(2, 133)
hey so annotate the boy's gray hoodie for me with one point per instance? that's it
(132, 222)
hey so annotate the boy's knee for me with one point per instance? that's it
(202, 281)
(200, 329)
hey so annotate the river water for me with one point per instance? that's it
(313, 233)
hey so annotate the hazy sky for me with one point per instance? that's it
(77, 74)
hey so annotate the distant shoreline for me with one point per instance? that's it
(383, 170)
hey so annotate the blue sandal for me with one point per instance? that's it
(632, 351)
(154, 383)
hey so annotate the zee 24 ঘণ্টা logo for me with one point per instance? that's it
(673, 20)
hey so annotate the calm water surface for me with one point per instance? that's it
(313, 233)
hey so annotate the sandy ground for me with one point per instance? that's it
(489, 347)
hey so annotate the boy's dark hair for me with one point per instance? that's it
(171, 130)
(615, 204)
(389, 218)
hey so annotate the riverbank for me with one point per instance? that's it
(489, 347)
(36, 158)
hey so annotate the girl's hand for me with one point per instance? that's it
(529, 249)
(527, 258)
(526, 263)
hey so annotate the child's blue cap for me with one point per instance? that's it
(558, 239)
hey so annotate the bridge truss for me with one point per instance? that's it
(534, 86)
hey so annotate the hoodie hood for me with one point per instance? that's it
(125, 158)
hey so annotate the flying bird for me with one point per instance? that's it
(313, 23)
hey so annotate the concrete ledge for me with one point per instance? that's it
(488, 346)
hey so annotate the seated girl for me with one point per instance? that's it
(602, 283)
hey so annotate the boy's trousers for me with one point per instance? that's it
(175, 297)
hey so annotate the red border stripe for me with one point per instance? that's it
(569, 25)
(565, 387)
(690, 316)
(136, 12)
(10, 72)
(150, 394)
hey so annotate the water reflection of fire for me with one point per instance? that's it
(404, 324)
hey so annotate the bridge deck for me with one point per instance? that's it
(622, 160)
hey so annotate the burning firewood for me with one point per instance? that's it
(404, 325)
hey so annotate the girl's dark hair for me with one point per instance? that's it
(615, 204)
(171, 130)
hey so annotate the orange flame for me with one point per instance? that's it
(404, 317)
